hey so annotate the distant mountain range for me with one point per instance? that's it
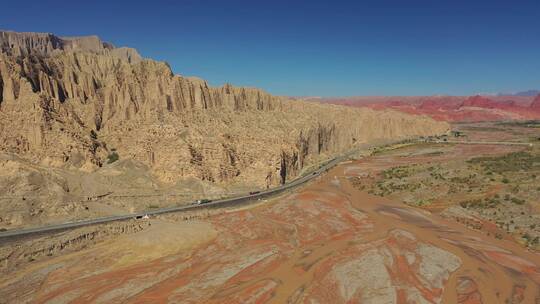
(453, 108)
(524, 93)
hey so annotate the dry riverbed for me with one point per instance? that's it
(329, 242)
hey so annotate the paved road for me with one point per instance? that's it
(504, 143)
(218, 203)
(215, 204)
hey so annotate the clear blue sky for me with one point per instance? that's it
(316, 48)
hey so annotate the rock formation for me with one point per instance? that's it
(72, 102)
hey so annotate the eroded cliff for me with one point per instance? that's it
(71, 102)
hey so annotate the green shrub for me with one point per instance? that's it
(112, 157)
(93, 134)
(517, 201)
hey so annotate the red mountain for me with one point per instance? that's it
(452, 108)
(484, 102)
(535, 105)
(441, 104)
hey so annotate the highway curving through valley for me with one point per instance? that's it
(228, 202)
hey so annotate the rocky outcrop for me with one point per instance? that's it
(24, 250)
(68, 102)
(24, 44)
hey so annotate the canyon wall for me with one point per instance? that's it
(73, 102)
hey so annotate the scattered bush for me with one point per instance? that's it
(488, 202)
(112, 157)
(510, 162)
(93, 135)
(517, 201)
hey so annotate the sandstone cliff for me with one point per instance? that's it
(70, 102)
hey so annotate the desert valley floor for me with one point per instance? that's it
(328, 242)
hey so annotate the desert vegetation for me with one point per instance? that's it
(502, 189)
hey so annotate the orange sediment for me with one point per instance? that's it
(328, 243)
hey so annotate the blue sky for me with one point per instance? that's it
(315, 48)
